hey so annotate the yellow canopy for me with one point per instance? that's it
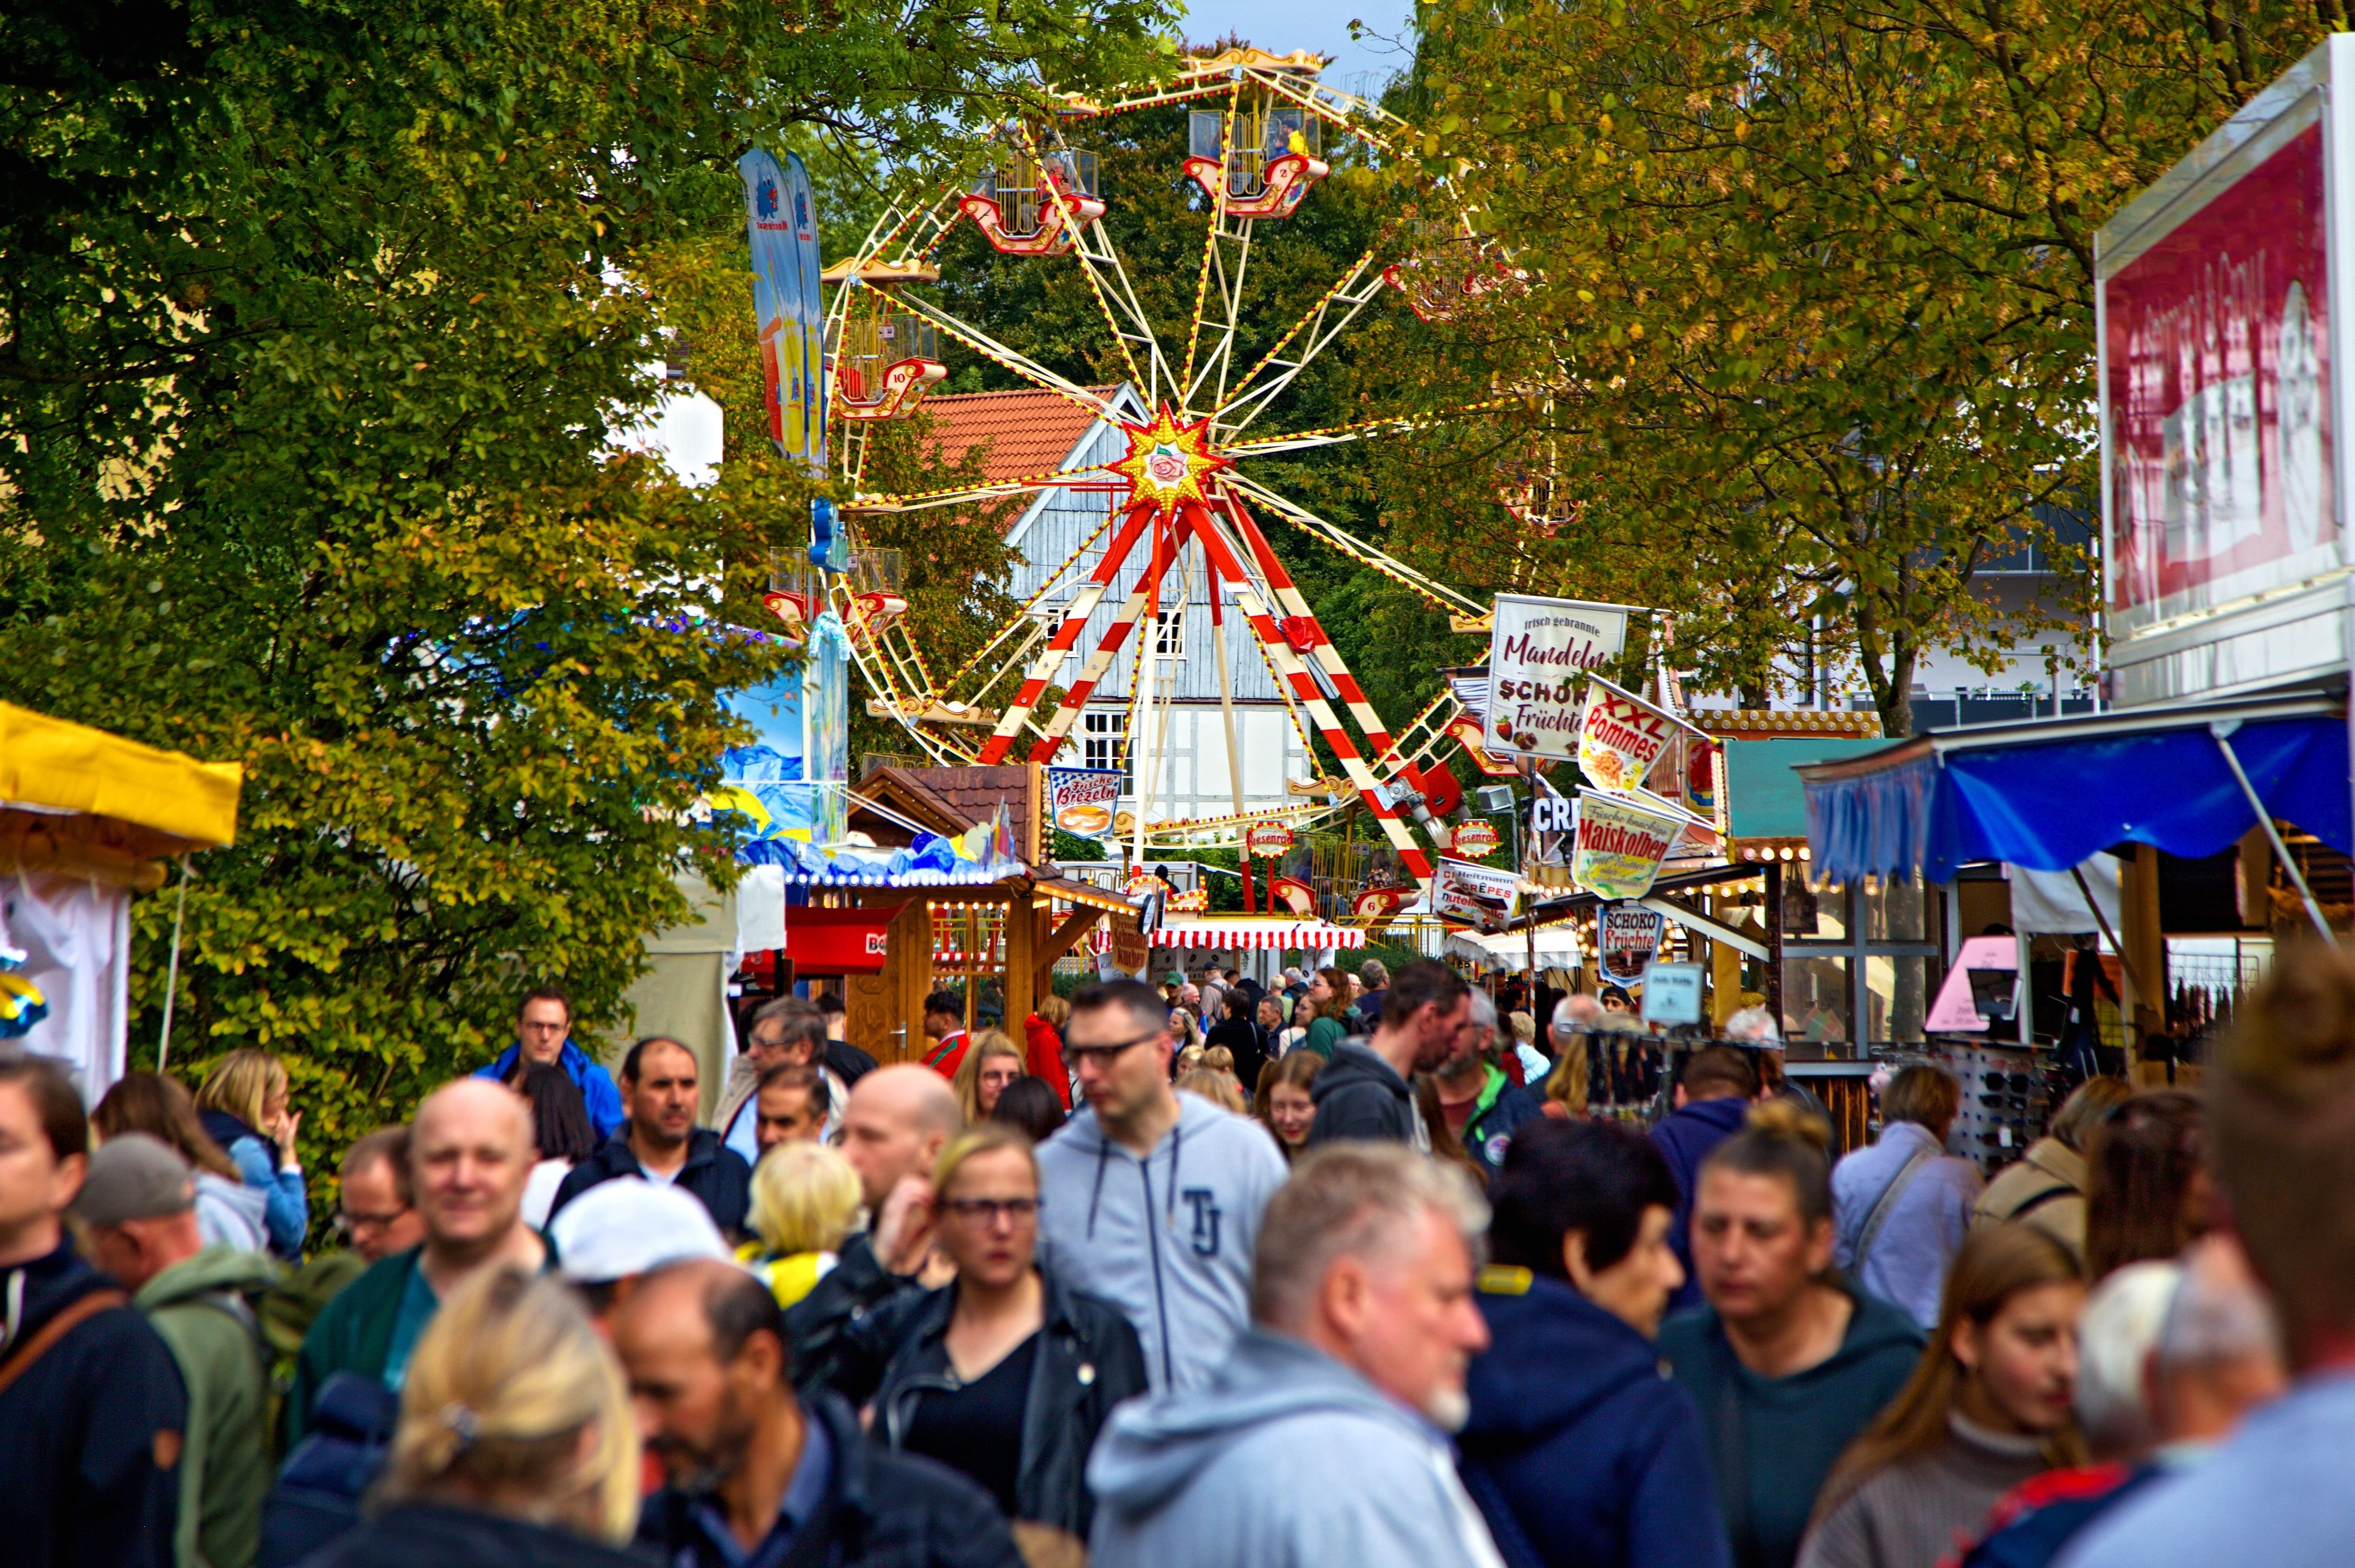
(49, 765)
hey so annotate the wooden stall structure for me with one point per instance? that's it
(996, 941)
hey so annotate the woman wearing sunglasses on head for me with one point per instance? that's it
(1005, 1375)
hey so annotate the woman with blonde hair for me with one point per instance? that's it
(1991, 1403)
(806, 1199)
(1218, 1088)
(1006, 1373)
(516, 1442)
(244, 1107)
(994, 1061)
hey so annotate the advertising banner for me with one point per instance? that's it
(1082, 801)
(1626, 937)
(784, 240)
(2217, 391)
(1540, 651)
(1483, 896)
(1621, 736)
(1620, 843)
(826, 699)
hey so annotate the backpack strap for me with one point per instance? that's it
(1887, 1205)
(22, 1357)
(2051, 1194)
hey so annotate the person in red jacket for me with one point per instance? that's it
(1044, 1030)
(944, 1033)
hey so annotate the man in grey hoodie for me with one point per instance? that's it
(1322, 1440)
(1368, 1091)
(1152, 1198)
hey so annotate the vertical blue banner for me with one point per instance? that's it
(778, 297)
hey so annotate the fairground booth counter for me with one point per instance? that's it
(86, 820)
(943, 887)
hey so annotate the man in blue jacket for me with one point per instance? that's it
(1713, 1096)
(544, 1034)
(1578, 1451)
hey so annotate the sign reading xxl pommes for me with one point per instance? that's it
(1540, 651)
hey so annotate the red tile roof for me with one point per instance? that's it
(1026, 433)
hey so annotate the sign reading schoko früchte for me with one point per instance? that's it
(1540, 651)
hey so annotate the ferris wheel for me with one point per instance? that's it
(1264, 132)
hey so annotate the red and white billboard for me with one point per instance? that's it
(2217, 371)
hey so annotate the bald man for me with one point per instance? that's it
(470, 1153)
(894, 1126)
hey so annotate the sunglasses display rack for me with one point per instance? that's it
(2006, 1103)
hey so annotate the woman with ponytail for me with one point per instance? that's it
(1990, 1406)
(515, 1442)
(1788, 1362)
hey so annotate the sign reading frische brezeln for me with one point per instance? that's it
(1539, 653)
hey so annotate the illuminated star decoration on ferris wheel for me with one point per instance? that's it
(1168, 461)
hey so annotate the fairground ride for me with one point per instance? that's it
(1264, 132)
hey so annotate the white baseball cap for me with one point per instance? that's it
(629, 1226)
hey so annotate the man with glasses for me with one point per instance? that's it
(787, 1033)
(379, 1210)
(544, 1034)
(1155, 1196)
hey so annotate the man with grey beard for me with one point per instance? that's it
(1324, 1436)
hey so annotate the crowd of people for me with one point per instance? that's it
(1334, 1271)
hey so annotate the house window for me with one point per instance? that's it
(1104, 738)
(1169, 633)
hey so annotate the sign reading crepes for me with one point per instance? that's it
(1483, 896)
(1620, 844)
(1540, 651)
(1626, 936)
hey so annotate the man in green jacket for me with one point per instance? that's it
(470, 1154)
(138, 1209)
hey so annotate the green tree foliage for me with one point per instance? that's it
(315, 323)
(1806, 325)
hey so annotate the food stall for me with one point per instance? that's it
(88, 818)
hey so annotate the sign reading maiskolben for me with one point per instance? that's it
(1539, 653)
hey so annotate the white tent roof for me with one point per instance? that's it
(1556, 948)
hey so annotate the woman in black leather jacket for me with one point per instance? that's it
(1005, 1374)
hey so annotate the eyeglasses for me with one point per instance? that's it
(1075, 1054)
(985, 1210)
(351, 1224)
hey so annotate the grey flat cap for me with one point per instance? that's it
(134, 1177)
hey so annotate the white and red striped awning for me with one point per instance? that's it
(1244, 931)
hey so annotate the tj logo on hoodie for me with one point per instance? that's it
(1206, 1220)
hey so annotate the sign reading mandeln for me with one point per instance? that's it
(1540, 651)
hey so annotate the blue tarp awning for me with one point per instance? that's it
(2046, 794)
